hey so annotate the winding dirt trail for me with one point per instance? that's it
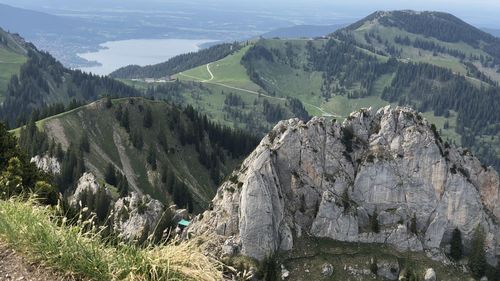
(209, 72)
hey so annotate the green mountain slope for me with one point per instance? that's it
(173, 155)
(433, 37)
(12, 55)
(223, 91)
(434, 62)
(177, 64)
(358, 66)
(32, 80)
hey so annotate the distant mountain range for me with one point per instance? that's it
(494, 32)
(302, 31)
(36, 22)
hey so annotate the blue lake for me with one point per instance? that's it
(116, 54)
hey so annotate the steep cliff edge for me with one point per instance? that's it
(327, 179)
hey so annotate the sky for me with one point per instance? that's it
(482, 13)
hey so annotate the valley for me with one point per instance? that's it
(370, 151)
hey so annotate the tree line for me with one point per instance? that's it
(44, 84)
(178, 63)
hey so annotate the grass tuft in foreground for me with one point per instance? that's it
(35, 231)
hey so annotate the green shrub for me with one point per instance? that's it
(374, 224)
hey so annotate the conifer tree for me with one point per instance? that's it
(110, 175)
(456, 245)
(148, 118)
(374, 222)
(413, 225)
(124, 120)
(85, 143)
(152, 157)
(477, 256)
(109, 103)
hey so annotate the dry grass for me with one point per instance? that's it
(39, 233)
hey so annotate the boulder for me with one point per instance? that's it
(284, 273)
(327, 269)
(388, 269)
(430, 275)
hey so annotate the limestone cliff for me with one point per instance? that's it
(47, 164)
(327, 179)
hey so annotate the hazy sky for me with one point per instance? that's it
(483, 13)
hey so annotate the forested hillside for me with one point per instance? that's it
(178, 63)
(175, 155)
(381, 59)
(45, 83)
(229, 98)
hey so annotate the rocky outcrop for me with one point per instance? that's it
(329, 180)
(430, 275)
(87, 185)
(136, 216)
(47, 164)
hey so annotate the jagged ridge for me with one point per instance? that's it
(390, 161)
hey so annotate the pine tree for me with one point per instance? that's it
(11, 181)
(109, 104)
(374, 224)
(137, 140)
(346, 202)
(477, 256)
(85, 143)
(162, 140)
(124, 121)
(164, 173)
(102, 204)
(456, 245)
(413, 225)
(110, 175)
(147, 121)
(59, 152)
(46, 192)
(152, 157)
(122, 185)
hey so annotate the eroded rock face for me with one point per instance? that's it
(328, 179)
(47, 164)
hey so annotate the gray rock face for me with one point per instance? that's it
(328, 179)
(87, 183)
(136, 216)
(47, 164)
